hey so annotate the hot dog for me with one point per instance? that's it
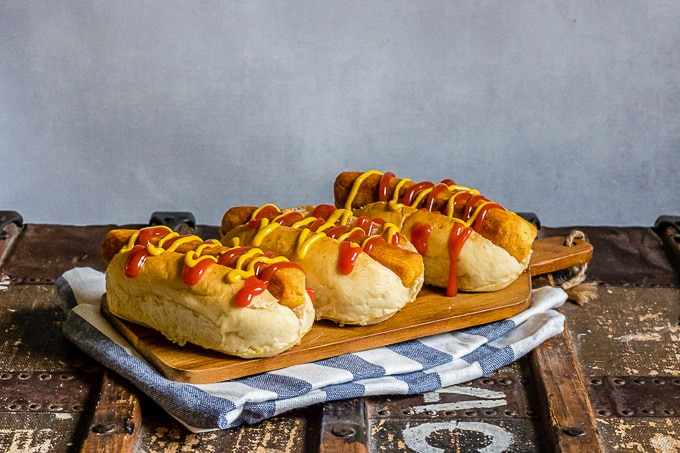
(362, 271)
(468, 242)
(236, 300)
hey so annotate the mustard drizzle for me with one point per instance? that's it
(244, 267)
(394, 204)
(307, 237)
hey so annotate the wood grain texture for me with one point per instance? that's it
(567, 413)
(551, 255)
(117, 418)
(344, 427)
(430, 314)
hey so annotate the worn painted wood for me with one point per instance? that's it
(344, 428)
(568, 416)
(631, 331)
(497, 413)
(117, 418)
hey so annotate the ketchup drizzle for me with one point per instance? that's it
(135, 260)
(411, 193)
(420, 235)
(254, 285)
(432, 197)
(464, 204)
(324, 211)
(193, 274)
(146, 235)
(348, 257)
(383, 186)
(457, 238)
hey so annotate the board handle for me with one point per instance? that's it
(557, 253)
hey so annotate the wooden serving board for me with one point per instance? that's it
(431, 313)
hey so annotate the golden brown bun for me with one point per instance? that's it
(504, 228)
(481, 265)
(369, 294)
(401, 258)
(286, 284)
(204, 314)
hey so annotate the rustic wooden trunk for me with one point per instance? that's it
(611, 382)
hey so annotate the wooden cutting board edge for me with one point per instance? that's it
(192, 364)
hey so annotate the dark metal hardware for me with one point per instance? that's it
(175, 220)
(531, 217)
(666, 221)
(634, 396)
(11, 224)
(44, 391)
(8, 218)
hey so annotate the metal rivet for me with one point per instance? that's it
(383, 412)
(343, 431)
(103, 429)
(574, 431)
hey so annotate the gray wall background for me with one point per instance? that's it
(112, 110)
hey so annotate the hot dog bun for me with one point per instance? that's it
(258, 307)
(494, 244)
(358, 278)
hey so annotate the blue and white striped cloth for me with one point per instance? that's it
(411, 367)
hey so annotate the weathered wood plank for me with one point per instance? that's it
(117, 418)
(568, 415)
(344, 427)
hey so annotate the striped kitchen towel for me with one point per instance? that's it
(411, 367)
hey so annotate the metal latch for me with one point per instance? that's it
(11, 224)
(666, 221)
(531, 217)
(182, 222)
(667, 227)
